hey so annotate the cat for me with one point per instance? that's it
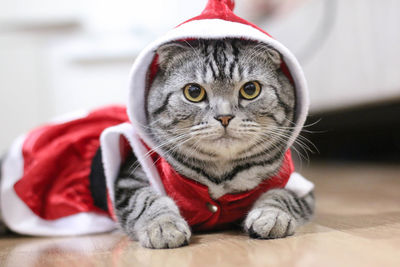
(221, 113)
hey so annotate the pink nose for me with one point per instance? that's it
(224, 119)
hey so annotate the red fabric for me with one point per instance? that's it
(192, 197)
(222, 9)
(57, 162)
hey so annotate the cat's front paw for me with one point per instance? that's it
(165, 231)
(268, 223)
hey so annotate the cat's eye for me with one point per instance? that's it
(194, 92)
(250, 90)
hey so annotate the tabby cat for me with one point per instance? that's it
(220, 112)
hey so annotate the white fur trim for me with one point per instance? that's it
(19, 218)
(110, 140)
(299, 185)
(210, 29)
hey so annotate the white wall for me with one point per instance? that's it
(357, 61)
(60, 56)
(19, 86)
(360, 61)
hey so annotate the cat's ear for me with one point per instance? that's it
(169, 51)
(274, 56)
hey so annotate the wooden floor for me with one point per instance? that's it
(357, 224)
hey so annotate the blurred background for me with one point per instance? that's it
(61, 56)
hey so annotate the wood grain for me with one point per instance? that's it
(357, 224)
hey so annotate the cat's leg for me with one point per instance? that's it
(277, 213)
(146, 216)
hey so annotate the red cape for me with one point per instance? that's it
(57, 161)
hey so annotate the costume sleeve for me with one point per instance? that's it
(111, 141)
(299, 185)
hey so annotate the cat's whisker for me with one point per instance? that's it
(300, 139)
(195, 51)
(255, 50)
(173, 148)
(282, 151)
(154, 149)
(198, 129)
(285, 137)
(194, 148)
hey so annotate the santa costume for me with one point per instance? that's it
(59, 178)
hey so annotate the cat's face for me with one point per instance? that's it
(225, 99)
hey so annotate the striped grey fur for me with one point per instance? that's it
(144, 215)
(277, 213)
(228, 159)
(261, 126)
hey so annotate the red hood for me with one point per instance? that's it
(215, 22)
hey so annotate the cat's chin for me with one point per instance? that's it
(226, 146)
(225, 140)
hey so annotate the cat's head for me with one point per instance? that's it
(221, 99)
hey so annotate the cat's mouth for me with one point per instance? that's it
(225, 137)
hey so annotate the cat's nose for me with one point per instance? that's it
(224, 119)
